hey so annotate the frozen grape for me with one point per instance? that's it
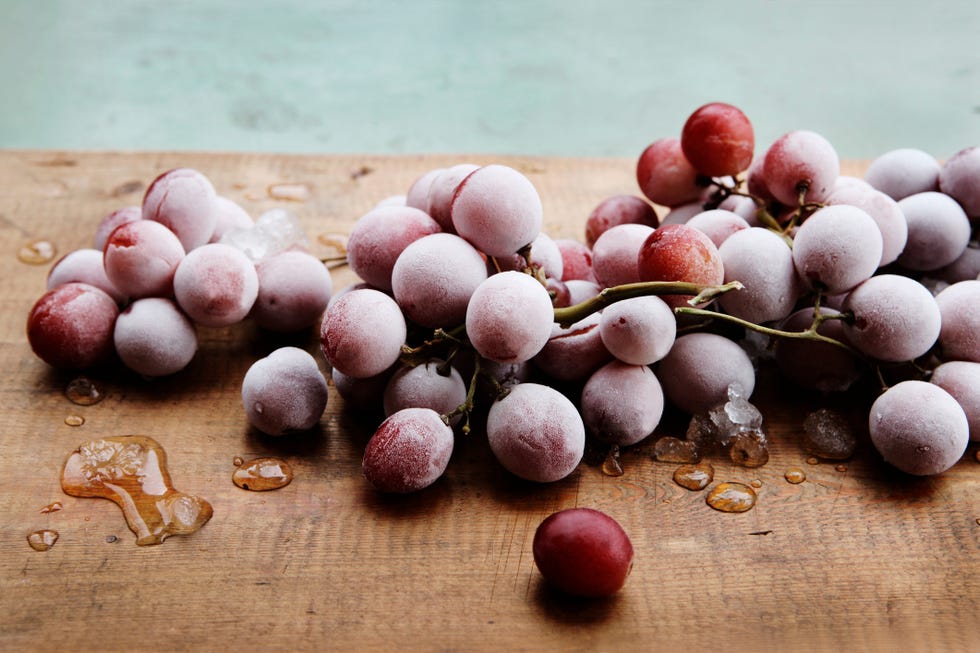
(665, 176)
(580, 290)
(362, 333)
(84, 266)
(718, 224)
(816, 365)
(682, 213)
(919, 428)
(379, 237)
(434, 278)
(441, 192)
(294, 290)
(837, 248)
(576, 260)
(141, 257)
(229, 215)
(677, 252)
(545, 256)
(883, 210)
(895, 318)
(617, 210)
(70, 326)
(154, 338)
(700, 367)
(964, 268)
(959, 335)
(583, 552)
(615, 253)
(903, 172)
(622, 403)
(497, 209)
(938, 231)
(113, 220)
(718, 140)
(743, 207)
(409, 451)
(536, 433)
(417, 196)
(763, 263)
(800, 162)
(216, 285)
(638, 331)
(361, 395)
(960, 179)
(509, 317)
(285, 392)
(572, 354)
(183, 200)
(961, 379)
(434, 384)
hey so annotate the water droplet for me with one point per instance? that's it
(731, 497)
(841, 468)
(131, 471)
(83, 392)
(337, 243)
(74, 420)
(54, 506)
(42, 540)
(669, 449)
(694, 477)
(756, 483)
(812, 460)
(237, 461)
(111, 539)
(290, 192)
(611, 465)
(795, 475)
(263, 474)
(37, 252)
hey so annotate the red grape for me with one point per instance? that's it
(677, 252)
(665, 176)
(718, 140)
(71, 326)
(409, 451)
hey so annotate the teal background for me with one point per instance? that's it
(565, 78)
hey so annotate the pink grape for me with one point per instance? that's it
(183, 200)
(434, 385)
(964, 268)
(84, 266)
(216, 285)
(919, 428)
(154, 338)
(718, 224)
(800, 160)
(417, 196)
(816, 365)
(961, 379)
(361, 395)
(572, 354)
(763, 262)
(434, 278)
(939, 231)
(697, 371)
(285, 392)
(837, 248)
(960, 179)
(622, 403)
(536, 433)
(718, 140)
(113, 220)
(497, 209)
(409, 452)
(615, 253)
(141, 257)
(903, 172)
(580, 290)
(883, 210)
(677, 252)
(229, 216)
(583, 552)
(617, 210)
(743, 207)
(509, 317)
(441, 193)
(665, 176)
(682, 213)
(576, 260)
(959, 335)
(362, 333)
(638, 331)
(70, 326)
(545, 255)
(895, 318)
(294, 290)
(380, 236)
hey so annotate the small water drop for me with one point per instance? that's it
(290, 192)
(611, 466)
(795, 475)
(237, 461)
(731, 497)
(694, 477)
(37, 252)
(74, 420)
(841, 468)
(54, 506)
(83, 392)
(812, 460)
(756, 483)
(111, 539)
(42, 540)
(262, 474)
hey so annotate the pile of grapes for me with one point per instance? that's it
(468, 312)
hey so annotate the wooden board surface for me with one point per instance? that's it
(858, 559)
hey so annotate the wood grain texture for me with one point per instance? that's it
(861, 559)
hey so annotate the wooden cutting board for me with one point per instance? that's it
(858, 557)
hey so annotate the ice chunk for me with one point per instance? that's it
(276, 230)
(827, 434)
(749, 449)
(734, 416)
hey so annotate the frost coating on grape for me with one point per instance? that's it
(409, 451)
(919, 428)
(800, 158)
(229, 215)
(615, 253)
(294, 290)
(379, 237)
(837, 248)
(417, 196)
(183, 200)
(572, 354)
(544, 255)
(763, 263)
(959, 335)
(960, 179)
(284, 392)
(678, 252)
(903, 172)
(638, 331)
(718, 224)
(536, 433)
(883, 210)
(140, 258)
(84, 266)
(700, 367)
(362, 333)
(70, 326)
(621, 403)
(509, 317)
(434, 385)
(216, 285)
(497, 209)
(961, 379)
(442, 189)
(938, 231)
(113, 220)
(617, 210)
(576, 260)
(434, 278)
(154, 338)
(895, 318)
